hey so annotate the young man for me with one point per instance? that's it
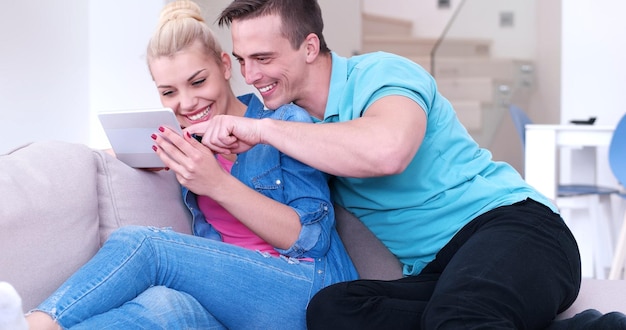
(479, 247)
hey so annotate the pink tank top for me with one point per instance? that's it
(232, 230)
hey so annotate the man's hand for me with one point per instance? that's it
(228, 134)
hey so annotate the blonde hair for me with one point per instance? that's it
(180, 25)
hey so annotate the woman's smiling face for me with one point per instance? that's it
(193, 84)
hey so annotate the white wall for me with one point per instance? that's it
(593, 67)
(481, 19)
(342, 25)
(119, 31)
(62, 61)
(545, 104)
(43, 72)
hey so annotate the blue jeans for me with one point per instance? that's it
(214, 284)
(158, 307)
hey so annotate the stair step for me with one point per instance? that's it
(411, 46)
(451, 67)
(469, 88)
(376, 25)
(504, 69)
(404, 46)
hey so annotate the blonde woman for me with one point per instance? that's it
(264, 241)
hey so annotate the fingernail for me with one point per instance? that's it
(161, 129)
(188, 135)
(167, 168)
(153, 136)
(154, 148)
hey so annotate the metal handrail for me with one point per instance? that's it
(442, 36)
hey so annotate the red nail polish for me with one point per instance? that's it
(153, 136)
(154, 148)
(188, 135)
(161, 129)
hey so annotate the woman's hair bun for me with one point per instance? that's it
(181, 9)
(181, 25)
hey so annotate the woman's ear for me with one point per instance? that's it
(312, 44)
(227, 65)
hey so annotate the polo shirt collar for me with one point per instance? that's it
(338, 78)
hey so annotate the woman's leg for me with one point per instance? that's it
(239, 287)
(156, 308)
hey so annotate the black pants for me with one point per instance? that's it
(514, 267)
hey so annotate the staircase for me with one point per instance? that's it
(477, 85)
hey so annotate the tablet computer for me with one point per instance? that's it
(129, 134)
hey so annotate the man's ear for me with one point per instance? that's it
(312, 44)
(227, 65)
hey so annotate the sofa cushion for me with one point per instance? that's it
(48, 216)
(604, 296)
(129, 196)
(371, 258)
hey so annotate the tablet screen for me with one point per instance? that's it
(129, 134)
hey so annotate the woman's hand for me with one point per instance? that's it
(194, 164)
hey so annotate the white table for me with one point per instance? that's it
(542, 146)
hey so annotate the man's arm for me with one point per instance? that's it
(382, 142)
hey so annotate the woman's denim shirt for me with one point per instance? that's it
(286, 180)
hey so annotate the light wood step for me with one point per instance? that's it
(450, 67)
(504, 69)
(404, 46)
(376, 25)
(481, 89)
(410, 46)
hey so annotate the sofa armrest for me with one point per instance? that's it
(48, 216)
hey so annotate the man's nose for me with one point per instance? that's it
(250, 73)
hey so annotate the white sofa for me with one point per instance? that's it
(60, 201)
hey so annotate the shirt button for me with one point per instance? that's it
(278, 182)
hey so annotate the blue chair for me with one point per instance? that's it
(585, 196)
(617, 162)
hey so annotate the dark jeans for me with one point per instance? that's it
(514, 267)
